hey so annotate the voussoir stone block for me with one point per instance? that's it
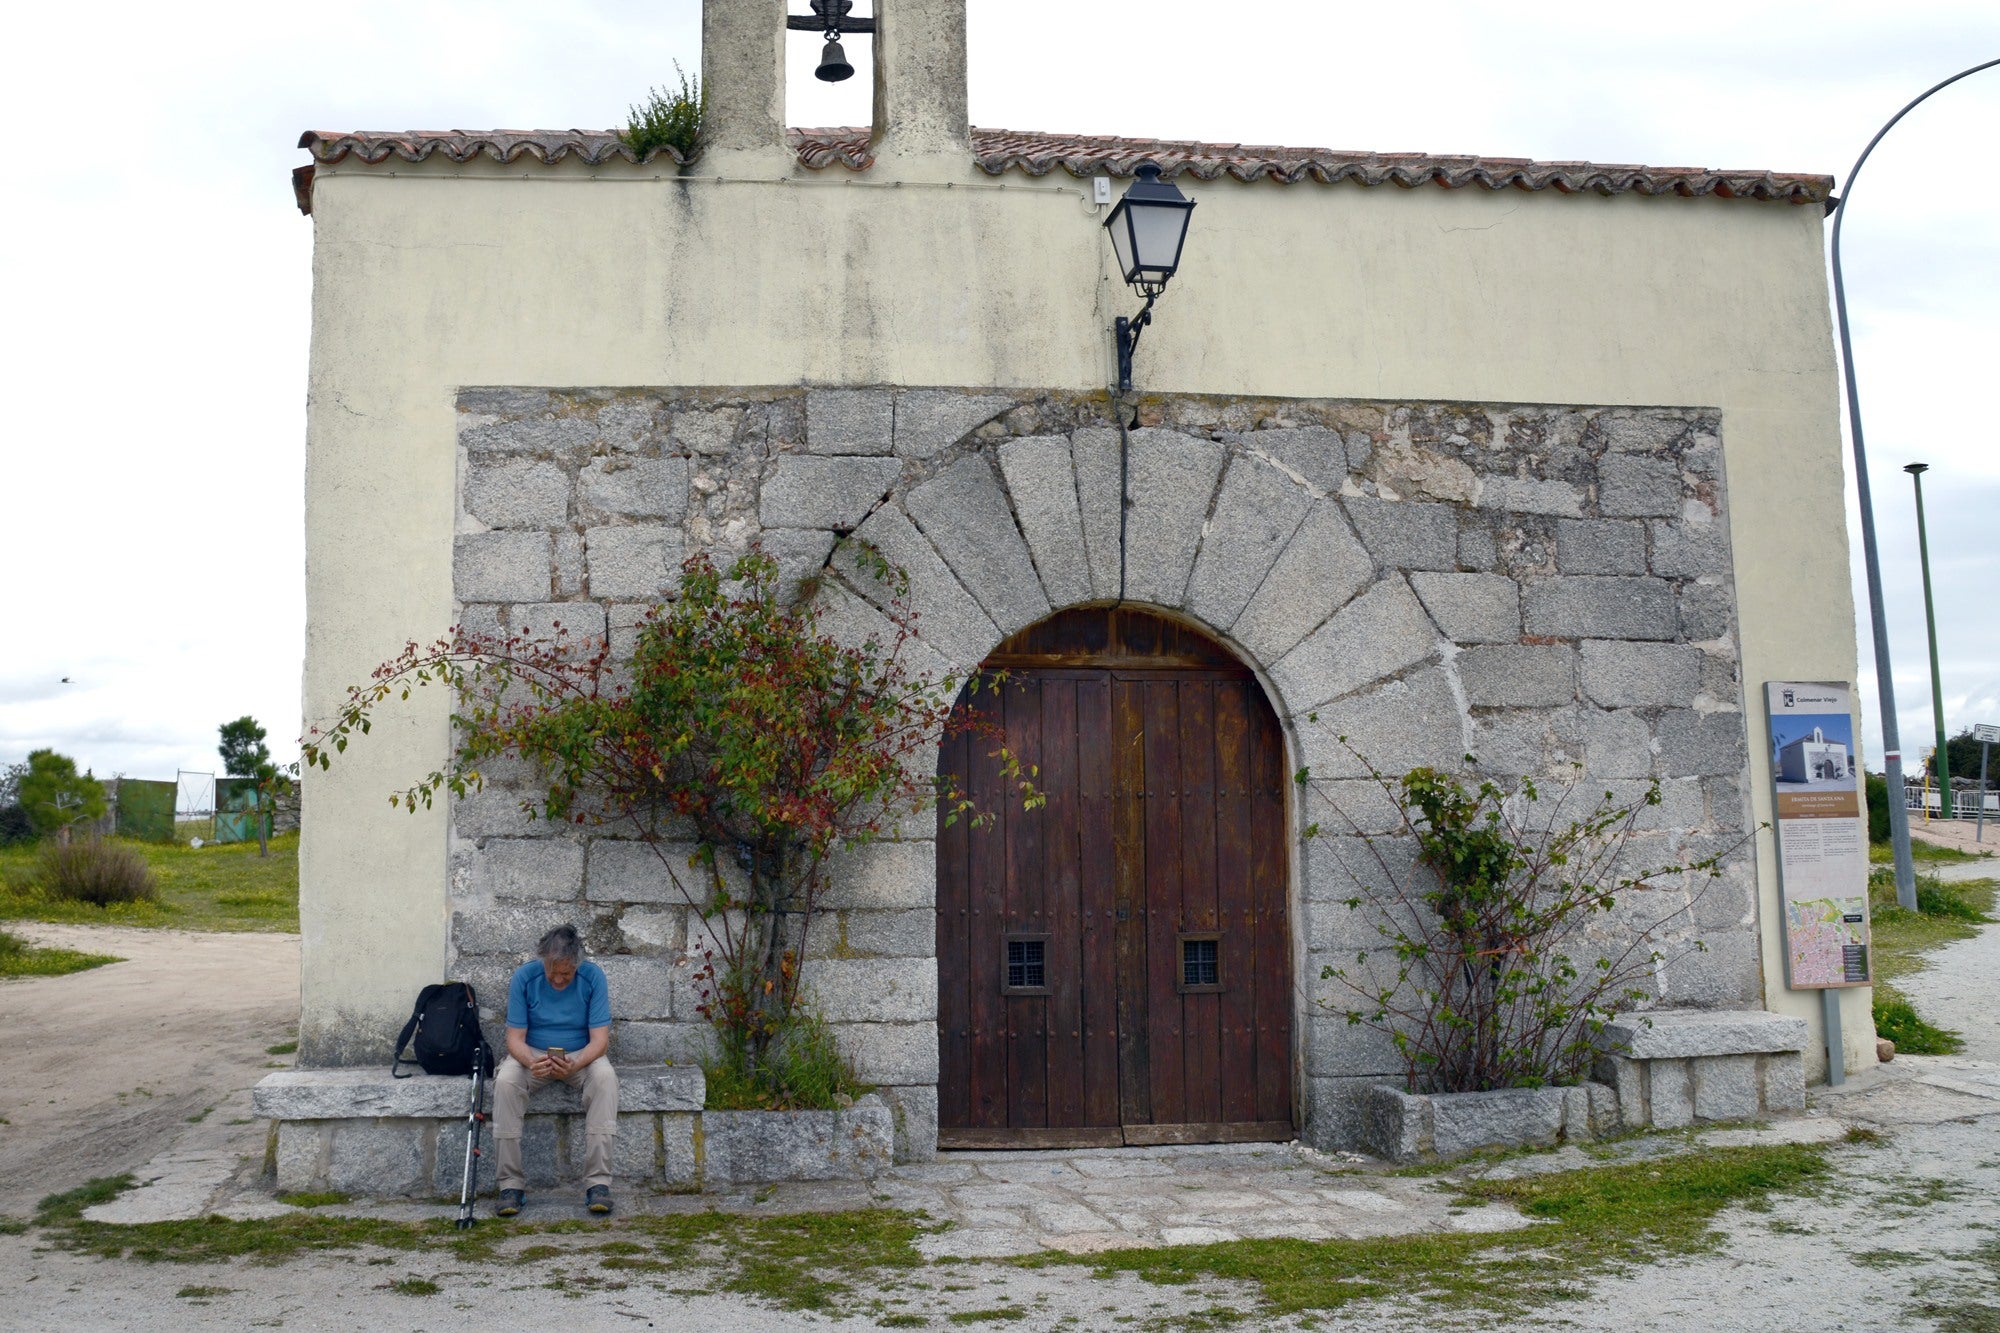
(1587, 606)
(808, 492)
(850, 421)
(1322, 567)
(517, 493)
(964, 512)
(1256, 514)
(1172, 478)
(1471, 608)
(948, 617)
(1099, 501)
(1635, 675)
(500, 567)
(1041, 479)
(931, 420)
(1518, 675)
(1378, 634)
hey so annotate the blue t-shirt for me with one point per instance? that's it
(558, 1017)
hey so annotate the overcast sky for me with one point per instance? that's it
(157, 275)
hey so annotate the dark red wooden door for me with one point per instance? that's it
(1114, 966)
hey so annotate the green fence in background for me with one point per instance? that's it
(145, 810)
(236, 810)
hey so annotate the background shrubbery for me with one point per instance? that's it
(94, 870)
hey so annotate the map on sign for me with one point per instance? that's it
(1822, 833)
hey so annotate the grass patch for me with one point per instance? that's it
(1897, 1019)
(998, 1314)
(282, 1048)
(823, 1262)
(13, 1226)
(1599, 1220)
(313, 1198)
(67, 1207)
(207, 888)
(18, 958)
(1945, 912)
(202, 1293)
(414, 1286)
(1882, 853)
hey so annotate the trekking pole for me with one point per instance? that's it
(472, 1123)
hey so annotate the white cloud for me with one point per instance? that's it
(158, 279)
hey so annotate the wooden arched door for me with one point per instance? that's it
(1115, 966)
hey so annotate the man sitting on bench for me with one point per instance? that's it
(558, 1027)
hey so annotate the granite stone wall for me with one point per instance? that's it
(1546, 588)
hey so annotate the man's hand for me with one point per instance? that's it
(547, 1066)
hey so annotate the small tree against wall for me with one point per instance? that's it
(1482, 977)
(740, 728)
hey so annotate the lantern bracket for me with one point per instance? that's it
(1127, 332)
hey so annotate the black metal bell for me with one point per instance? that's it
(833, 66)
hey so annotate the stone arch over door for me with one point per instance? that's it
(1115, 965)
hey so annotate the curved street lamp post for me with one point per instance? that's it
(1892, 758)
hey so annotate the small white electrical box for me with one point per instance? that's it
(1100, 189)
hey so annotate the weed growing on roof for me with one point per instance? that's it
(668, 119)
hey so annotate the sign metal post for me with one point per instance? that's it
(1985, 733)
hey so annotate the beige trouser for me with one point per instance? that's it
(512, 1086)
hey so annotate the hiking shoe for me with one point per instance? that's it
(510, 1203)
(598, 1199)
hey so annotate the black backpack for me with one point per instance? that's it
(446, 1025)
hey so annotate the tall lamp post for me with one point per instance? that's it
(1916, 471)
(1892, 756)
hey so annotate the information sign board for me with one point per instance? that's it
(1986, 733)
(1822, 833)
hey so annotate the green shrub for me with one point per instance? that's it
(1936, 898)
(802, 1072)
(1878, 808)
(668, 119)
(93, 870)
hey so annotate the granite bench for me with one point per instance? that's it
(361, 1132)
(1678, 1067)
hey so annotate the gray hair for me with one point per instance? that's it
(561, 945)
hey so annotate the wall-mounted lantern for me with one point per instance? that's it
(831, 18)
(1147, 228)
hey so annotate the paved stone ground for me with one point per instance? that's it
(1902, 1236)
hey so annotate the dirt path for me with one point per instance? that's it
(105, 1068)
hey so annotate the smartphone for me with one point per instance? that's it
(557, 1052)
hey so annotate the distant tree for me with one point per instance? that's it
(244, 755)
(1964, 754)
(1878, 808)
(56, 796)
(14, 825)
(242, 749)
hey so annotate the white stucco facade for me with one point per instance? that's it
(435, 276)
